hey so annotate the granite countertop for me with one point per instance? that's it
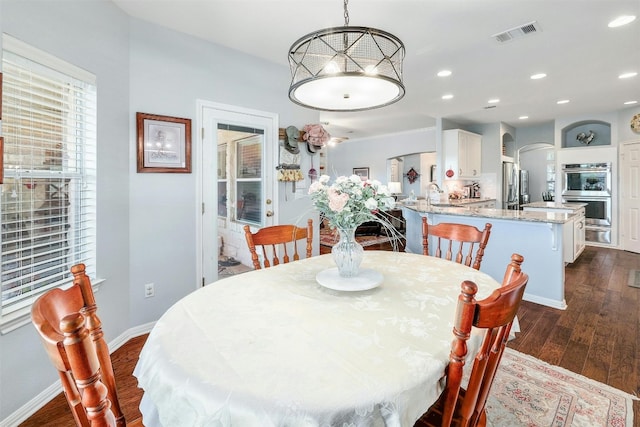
(514, 215)
(462, 202)
(555, 205)
(450, 202)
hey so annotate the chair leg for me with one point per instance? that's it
(73, 399)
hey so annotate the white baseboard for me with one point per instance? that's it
(561, 305)
(45, 396)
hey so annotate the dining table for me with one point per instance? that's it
(274, 347)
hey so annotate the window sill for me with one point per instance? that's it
(19, 318)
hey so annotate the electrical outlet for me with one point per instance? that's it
(149, 290)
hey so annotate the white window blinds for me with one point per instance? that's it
(48, 205)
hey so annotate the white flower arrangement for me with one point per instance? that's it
(350, 201)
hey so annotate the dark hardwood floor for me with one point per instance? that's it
(598, 335)
(56, 413)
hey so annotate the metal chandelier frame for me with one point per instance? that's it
(346, 68)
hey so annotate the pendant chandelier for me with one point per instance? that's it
(346, 68)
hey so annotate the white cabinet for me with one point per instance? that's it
(462, 153)
(572, 231)
(395, 170)
(578, 234)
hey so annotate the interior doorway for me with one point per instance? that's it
(236, 178)
(630, 196)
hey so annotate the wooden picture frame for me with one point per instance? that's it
(363, 173)
(164, 143)
(1, 160)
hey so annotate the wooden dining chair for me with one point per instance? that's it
(461, 407)
(462, 238)
(72, 335)
(277, 241)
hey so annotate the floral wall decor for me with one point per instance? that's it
(412, 175)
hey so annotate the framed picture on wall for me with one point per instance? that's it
(363, 173)
(164, 143)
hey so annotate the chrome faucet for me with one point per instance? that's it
(433, 184)
(429, 187)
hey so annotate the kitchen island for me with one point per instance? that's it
(537, 236)
(574, 237)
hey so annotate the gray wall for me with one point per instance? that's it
(537, 133)
(94, 36)
(169, 72)
(374, 152)
(146, 222)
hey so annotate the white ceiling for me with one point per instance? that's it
(581, 56)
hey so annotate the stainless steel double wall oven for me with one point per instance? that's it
(590, 183)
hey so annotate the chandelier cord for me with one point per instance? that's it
(346, 14)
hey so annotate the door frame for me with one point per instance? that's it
(623, 199)
(206, 192)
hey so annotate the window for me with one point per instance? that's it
(249, 179)
(47, 209)
(240, 153)
(222, 180)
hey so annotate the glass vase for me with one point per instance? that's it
(347, 253)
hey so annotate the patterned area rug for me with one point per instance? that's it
(529, 392)
(328, 238)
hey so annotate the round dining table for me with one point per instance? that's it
(273, 347)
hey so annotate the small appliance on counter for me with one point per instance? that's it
(475, 190)
(471, 191)
(466, 191)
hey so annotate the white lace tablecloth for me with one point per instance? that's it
(274, 348)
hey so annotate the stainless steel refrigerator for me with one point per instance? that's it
(515, 186)
(510, 193)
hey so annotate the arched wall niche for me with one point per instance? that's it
(508, 145)
(587, 133)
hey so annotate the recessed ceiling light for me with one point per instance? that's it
(630, 102)
(523, 117)
(538, 76)
(621, 20)
(493, 101)
(627, 75)
(444, 73)
(447, 96)
(563, 101)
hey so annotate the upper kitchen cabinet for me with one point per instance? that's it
(462, 154)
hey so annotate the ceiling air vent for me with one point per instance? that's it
(517, 32)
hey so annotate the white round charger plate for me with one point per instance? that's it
(366, 279)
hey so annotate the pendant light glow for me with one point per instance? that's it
(346, 69)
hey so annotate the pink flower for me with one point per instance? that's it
(337, 201)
